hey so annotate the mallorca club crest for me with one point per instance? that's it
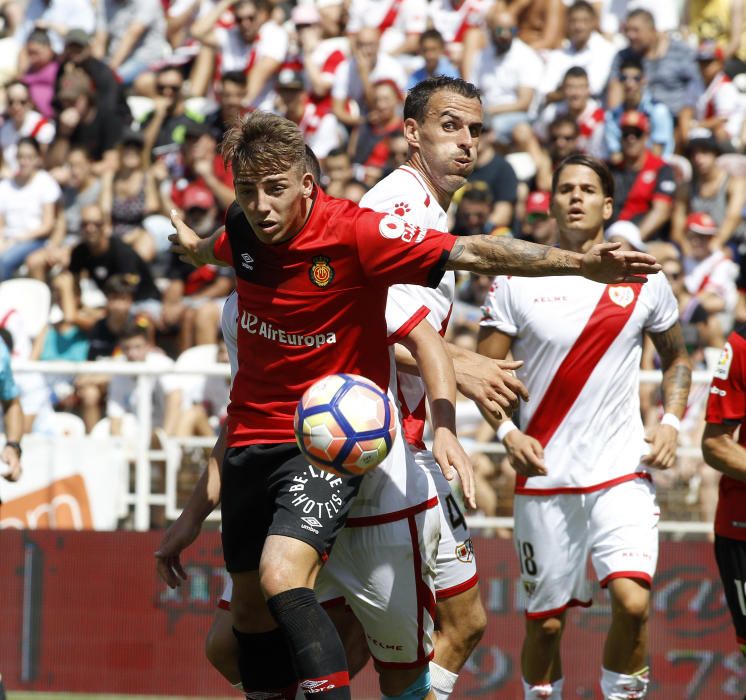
(321, 272)
(622, 296)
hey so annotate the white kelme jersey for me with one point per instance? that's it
(405, 194)
(581, 344)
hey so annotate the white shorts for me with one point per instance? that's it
(554, 536)
(455, 567)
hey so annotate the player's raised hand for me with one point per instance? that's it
(189, 246)
(663, 440)
(525, 453)
(452, 460)
(168, 555)
(604, 262)
(490, 383)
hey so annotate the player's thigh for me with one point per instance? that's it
(624, 532)
(455, 566)
(351, 633)
(551, 542)
(385, 574)
(731, 559)
(248, 606)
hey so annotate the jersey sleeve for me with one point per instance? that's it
(497, 311)
(726, 403)
(665, 311)
(665, 184)
(222, 248)
(392, 251)
(405, 311)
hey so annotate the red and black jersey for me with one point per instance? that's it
(636, 190)
(726, 405)
(314, 305)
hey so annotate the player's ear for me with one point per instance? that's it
(411, 131)
(608, 208)
(307, 183)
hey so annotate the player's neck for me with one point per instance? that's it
(442, 196)
(579, 241)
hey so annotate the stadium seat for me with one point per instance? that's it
(523, 165)
(31, 299)
(198, 357)
(66, 425)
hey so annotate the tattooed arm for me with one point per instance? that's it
(502, 255)
(677, 378)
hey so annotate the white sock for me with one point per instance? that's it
(442, 681)
(543, 691)
(622, 686)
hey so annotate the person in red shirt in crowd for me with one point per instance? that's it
(645, 183)
(725, 450)
(294, 330)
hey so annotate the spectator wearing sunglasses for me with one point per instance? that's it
(21, 119)
(637, 97)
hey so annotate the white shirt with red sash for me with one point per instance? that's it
(715, 274)
(395, 19)
(581, 344)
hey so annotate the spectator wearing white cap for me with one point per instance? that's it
(710, 275)
(626, 233)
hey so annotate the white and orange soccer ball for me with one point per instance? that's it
(345, 424)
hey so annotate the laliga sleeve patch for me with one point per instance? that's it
(723, 366)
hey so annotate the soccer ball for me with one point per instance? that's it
(345, 424)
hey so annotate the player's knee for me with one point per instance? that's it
(465, 631)
(634, 606)
(548, 629)
(417, 689)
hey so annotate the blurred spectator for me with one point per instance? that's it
(164, 128)
(626, 233)
(56, 17)
(332, 17)
(22, 120)
(102, 256)
(584, 48)
(563, 141)
(108, 91)
(352, 91)
(167, 394)
(670, 65)
(10, 49)
(710, 275)
(644, 184)
(132, 37)
(400, 24)
(398, 152)
(230, 93)
(370, 142)
(432, 49)
(499, 179)
(721, 22)
(81, 122)
(712, 190)
(636, 97)
(541, 23)
(538, 225)
(194, 298)
(720, 108)
(508, 72)
(198, 161)
(460, 24)
(338, 173)
(576, 102)
(41, 72)
(473, 212)
(81, 188)
(256, 45)
(27, 208)
(321, 130)
(129, 195)
(354, 190)
(10, 456)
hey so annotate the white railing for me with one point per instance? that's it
(143, 498)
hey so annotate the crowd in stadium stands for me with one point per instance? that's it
(113, 111)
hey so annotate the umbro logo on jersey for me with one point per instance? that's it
(313, 522)
(248, 261)
(317, 686)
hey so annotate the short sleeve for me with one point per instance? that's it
(222, 249)
(497, 311)
(405, 311)
(273, 43)
(665, 311)
(393, 251)
(726, 403)
(49, 190)
(665, 184)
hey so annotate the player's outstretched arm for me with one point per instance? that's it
(502, 255)
(185, 529)
(721, 451)
(436, 370)
(190, 247)
(677, 378)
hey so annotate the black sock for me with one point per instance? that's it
(2, 689)
(266, 664)
(319, 656)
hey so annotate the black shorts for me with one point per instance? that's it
(272, 490)
(731, 558)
